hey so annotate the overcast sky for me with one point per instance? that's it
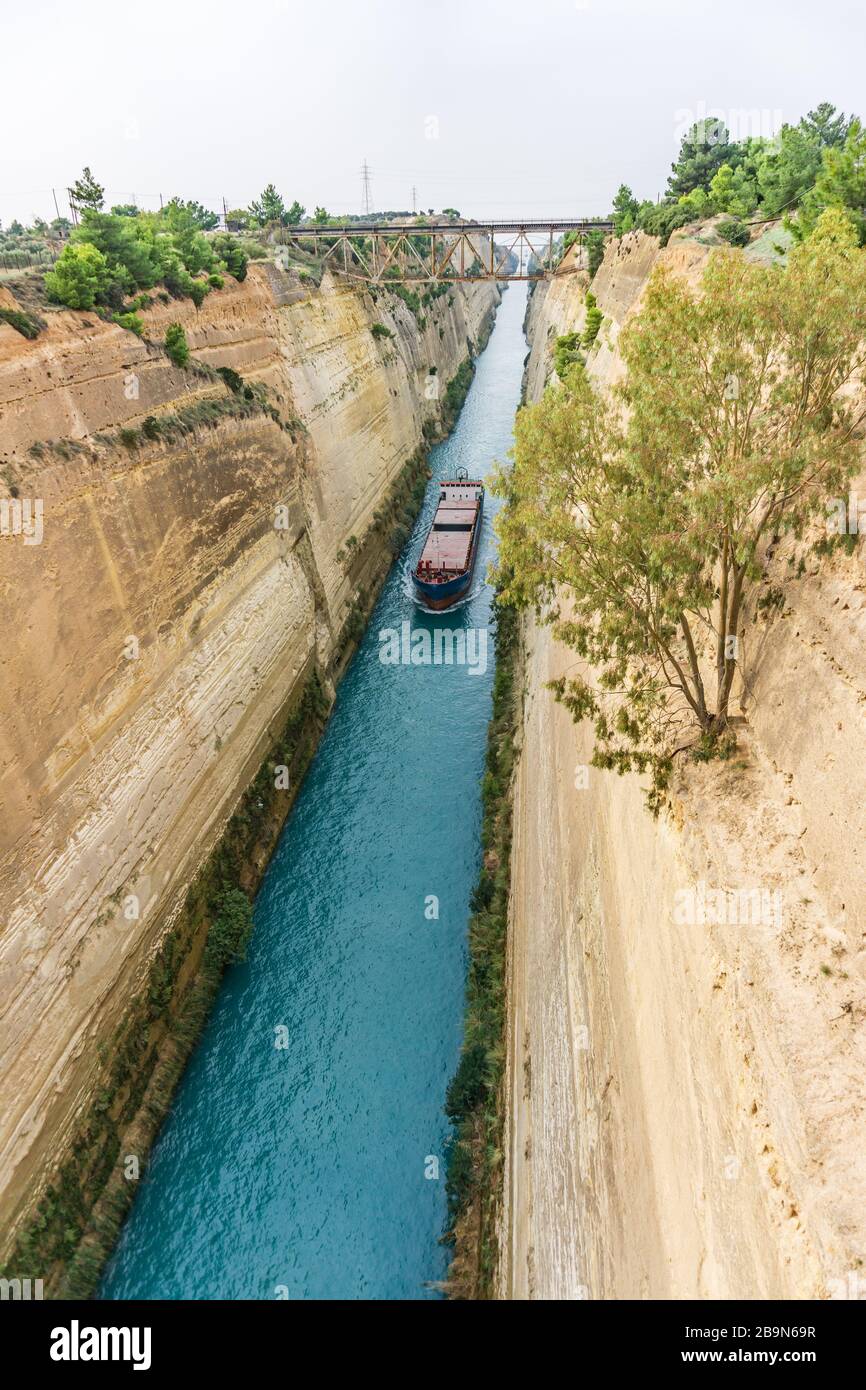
(498, 109)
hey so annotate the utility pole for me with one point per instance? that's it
(56, 208)
(367, 194)
(225, 214)
(414, 198)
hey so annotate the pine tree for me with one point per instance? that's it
(86, 192)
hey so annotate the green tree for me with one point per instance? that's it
(698, 203)
(703, 151)
(86, 192)
(636, 522)
(231, 253)
(187, 237)
(566, 353)
(732, 190)
(230, 929)
(594, 320)
(826, 125)
(127, 245)
(660, 219)
(201, 216)
(268, 208)
(176, 344)
(80, 276)
(125, 210)
(625, 210)
(295, 214)
(788, 169)
(320, 216)
(841, 183)
(594, 250)
(239, 217)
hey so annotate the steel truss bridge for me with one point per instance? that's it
(433, 252)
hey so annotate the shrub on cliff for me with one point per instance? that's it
(594, 250)
(22, 323)
(230, 929)
(233, 380)
(566, 353)
(167, 248)
(80, 276)
(645, 515)
(197, 291)
(129, 251)
(457, 390)
(734, 232)
(660, 219)
(176, 345)
(131, 322)
(594, 320)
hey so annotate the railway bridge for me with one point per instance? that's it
(431, 252)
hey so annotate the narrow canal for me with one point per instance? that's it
(308, 1170)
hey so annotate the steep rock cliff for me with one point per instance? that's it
(202, 551)
(686, 1102)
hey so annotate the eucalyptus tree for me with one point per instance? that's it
(637, 520)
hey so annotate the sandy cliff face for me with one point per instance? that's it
(183, 589)
(687, 1100)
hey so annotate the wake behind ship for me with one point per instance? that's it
(444, 571)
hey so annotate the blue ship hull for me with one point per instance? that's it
(442, 595)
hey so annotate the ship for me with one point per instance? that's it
(444, 571)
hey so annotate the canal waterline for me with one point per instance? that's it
(308, 1170)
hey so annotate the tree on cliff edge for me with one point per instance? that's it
(703, 151)
(268, 208)
(636, 522)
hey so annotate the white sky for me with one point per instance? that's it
(495, 107)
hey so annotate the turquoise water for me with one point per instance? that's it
(300, 1171)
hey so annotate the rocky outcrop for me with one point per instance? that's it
(686, 1095)
(205, 544)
